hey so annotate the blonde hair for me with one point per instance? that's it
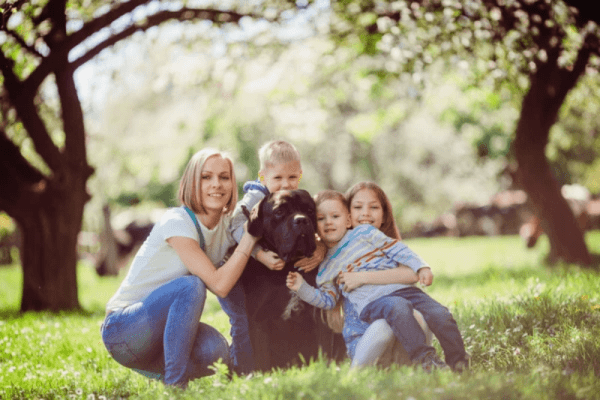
(277, 152)
(190, 189)
(388, 225)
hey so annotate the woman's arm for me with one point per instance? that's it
(401, 274)
(221, 280)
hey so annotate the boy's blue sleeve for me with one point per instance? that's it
(239, 218)
(395, 249)
(255, 185)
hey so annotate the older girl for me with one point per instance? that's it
(152, 322)
(368, 344)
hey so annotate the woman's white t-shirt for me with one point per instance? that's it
(157, 263)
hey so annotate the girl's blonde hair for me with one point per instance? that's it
(388, 225)
(190, 188)
(329, 194)
(334, 317)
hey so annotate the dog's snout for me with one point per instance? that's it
(300, 220)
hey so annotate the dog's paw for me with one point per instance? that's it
(295, 304)
(245, 211)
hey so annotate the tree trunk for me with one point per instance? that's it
(49, 252)
(107, 263)
(549, 87)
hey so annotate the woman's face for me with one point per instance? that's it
(216, 183)
(366, 208)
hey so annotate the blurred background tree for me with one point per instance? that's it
(530, 52)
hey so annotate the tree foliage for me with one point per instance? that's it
(535, 49)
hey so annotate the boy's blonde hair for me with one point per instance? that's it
(388, 225)
(190, 189)
(277, 152)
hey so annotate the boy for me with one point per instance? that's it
(280, 169)
(366, 248)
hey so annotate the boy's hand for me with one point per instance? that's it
(270, 260)
(294, 281)
(309, 263)
(425, 276)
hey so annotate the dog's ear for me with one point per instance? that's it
(255, 222)
(308, 205)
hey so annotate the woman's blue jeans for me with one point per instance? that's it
(162, 337)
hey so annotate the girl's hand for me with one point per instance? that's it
(309, 263)
(425, 276)
(294, 281)
(270, 260)
(351, 280)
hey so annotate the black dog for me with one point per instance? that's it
(286, 223)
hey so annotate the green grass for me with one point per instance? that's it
(533, 332)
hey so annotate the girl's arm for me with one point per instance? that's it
(221, 280)
(325, 297)
(401, 274)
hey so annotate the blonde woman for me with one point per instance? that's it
(152, 323)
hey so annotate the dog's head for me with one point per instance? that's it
(286, 222)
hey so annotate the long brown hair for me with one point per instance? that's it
(388, 225)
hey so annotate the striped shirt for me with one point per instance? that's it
(364, 248)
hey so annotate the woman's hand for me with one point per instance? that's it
(309, 263)
(270, 260)
(293, 281)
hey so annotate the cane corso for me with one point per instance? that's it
(286, 223)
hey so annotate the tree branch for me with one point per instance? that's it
(28, 114)
(54, 60)
(5, 16)
(21, 42)
(571, 76)
(185, 14)
(15, 170)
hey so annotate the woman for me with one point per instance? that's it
(152, 323)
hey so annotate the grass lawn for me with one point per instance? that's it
(533, 332)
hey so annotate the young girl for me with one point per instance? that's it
(368, 249)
